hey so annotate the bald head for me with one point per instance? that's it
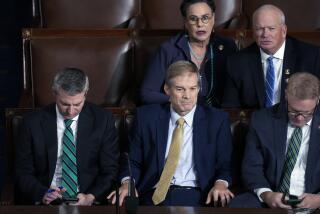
(269, 9)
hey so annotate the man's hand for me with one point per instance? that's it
(219, 190)
(274, 200)
(123, 192)
(84, 200)
(52, 194)
(311, 201)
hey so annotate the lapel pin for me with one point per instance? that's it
(287, 71)
(220, 47)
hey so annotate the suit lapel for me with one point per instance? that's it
(257, 73)
(289, 64)
(198, 139)
(49, 124)
(280, 127)
(85, 124)
(313, 152)
(162, 126)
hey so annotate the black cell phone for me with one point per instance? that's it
(293, 200)
(70, 200)
(60, 201)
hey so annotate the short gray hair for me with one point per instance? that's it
(179, 68)
(270, 7)
(71, 80)
(303, 85)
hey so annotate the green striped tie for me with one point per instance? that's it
(290, 161)
(69, 162)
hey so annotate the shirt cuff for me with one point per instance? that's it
(259, 191)
(225, 182)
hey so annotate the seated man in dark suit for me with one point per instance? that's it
(67, 150)
(257, 75)
(282, 151)
(191, 168)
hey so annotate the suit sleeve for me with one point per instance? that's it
(253, 161)
(224, 152)
(109, 161)
(152, 86)
(28, 185)
(135, 149)
(231, 91)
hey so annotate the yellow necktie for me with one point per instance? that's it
(171, 164)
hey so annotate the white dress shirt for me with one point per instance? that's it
(57, 177)
(185, 174)
(277, 64)
(297, 179)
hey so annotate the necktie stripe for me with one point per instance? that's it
(68, 136)
(70, 177)
(70, 165)
(69, 142)
(71, 153)
(71, 191)
(69, 162)
(290, 161)
(269, 82)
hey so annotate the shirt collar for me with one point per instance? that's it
(174, 116)
(60, 117)
(278, 55)
(308, 124)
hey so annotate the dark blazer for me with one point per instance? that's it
(245, 85)
(211, 145)
(176, 49)
(265, 150)
(97, 152)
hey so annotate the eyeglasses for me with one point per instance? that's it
(305, 115)
(193, 20)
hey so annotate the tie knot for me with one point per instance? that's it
(298, 130)
(270, 58)
(180, 121)
(68, 122)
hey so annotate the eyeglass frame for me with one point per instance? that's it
(305, 115)
(204, 19)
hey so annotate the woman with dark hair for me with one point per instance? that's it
(198, 44)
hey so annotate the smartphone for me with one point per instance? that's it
(293, 200)
(65, 200)
(70, 200)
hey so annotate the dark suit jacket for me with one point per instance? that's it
(265, 150)
(97, 152)
(211, 144)
(245, 85)
(176, 49)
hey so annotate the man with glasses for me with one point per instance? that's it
(198, 44)
(257, 75)
(281, 165)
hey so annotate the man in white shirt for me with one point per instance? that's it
(257, 75)
(202, 173)
(67, 151)
(281, 159)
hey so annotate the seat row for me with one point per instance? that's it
(114, 59)
(239, 119)
(142, 14)
(164, 14)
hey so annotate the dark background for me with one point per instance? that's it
(14, 15)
